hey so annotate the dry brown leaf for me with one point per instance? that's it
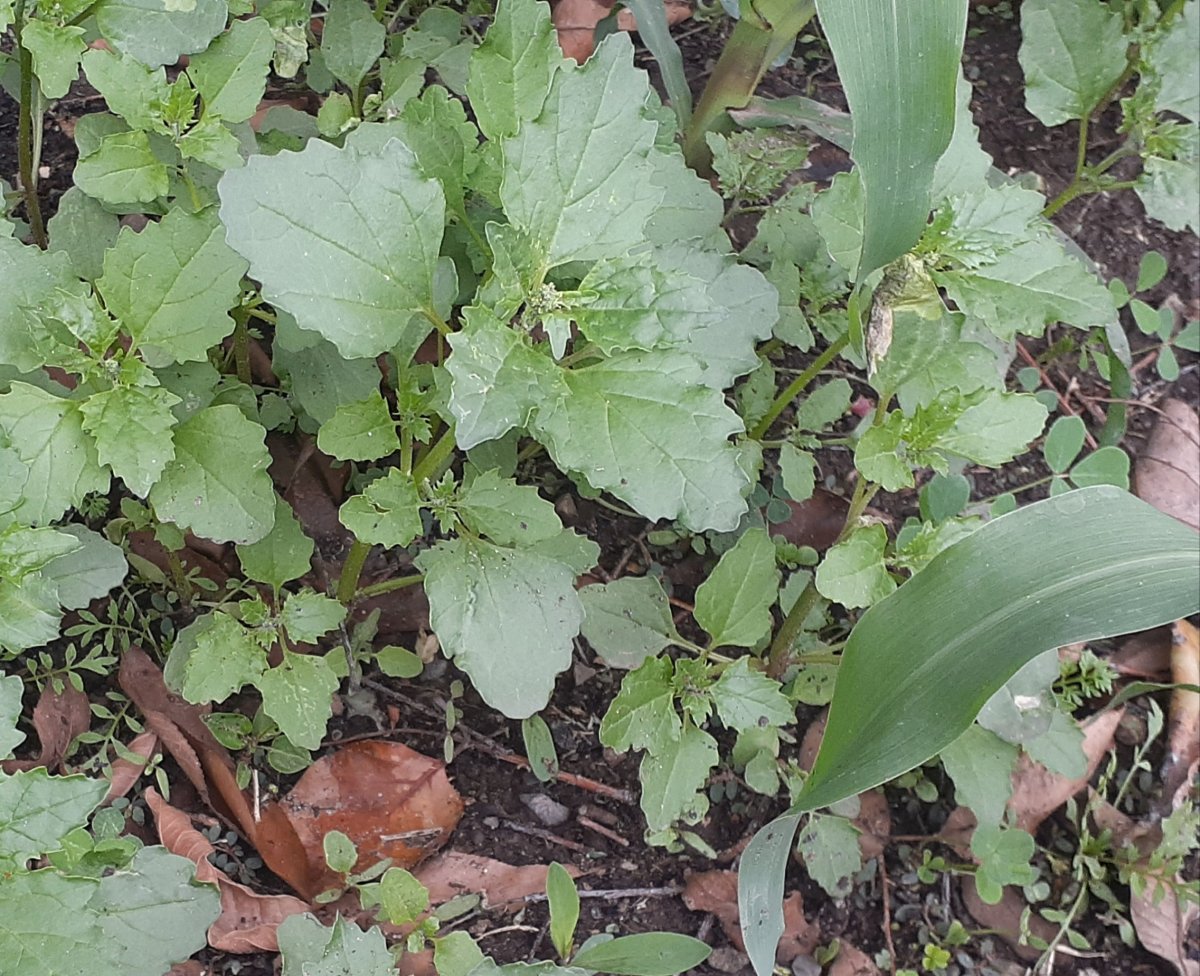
(1038, 792)
(391, 801)
(715, 892)
(248, 920)
(1144, 655)
(815, 522)
(57, 718)
(1004, 918)
(852, 961)
(576, 20)
(190, 967)
(454, 873)
(1162, 928)
(124, 772)
(1168, 468)
(874, 822)
(1183, 720)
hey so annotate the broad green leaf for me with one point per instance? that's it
(131, 89)
(217, 485)
(88, 571)
(853, 572)
(964, 165)
(981, 765)
(584, 199)
(152, 913)
(1023, 709)
(637, 425)
(157, 33)
(539, 749)
(563, 901)
(1063, 443)
(231, 73)
(927, 357)
(172, 286)
(354, 268)
(132, 427)
(626, 620)
(283, 554)
(351, 41)
(506, 616)
(691, 210)
(29, 612)
(456, 954)
(402, 898)
(643, 715)
(760, 889)
(1107, 466)
(507, 513)
(310, 949)
(644, 954)
(11, 690)
(797, 468)
(222, 657)
(497, 379)
(838, 213)
(734, 603)
(47, 433)
(748, 699)
(903, 115)
(211, 142)
(37, 810)
(825, 405)
(1060, 747)
(31, 278)
(340, 852)
(297, 694)
(123, 169)
(83, 230)
(995, 429)
(1170, 190)
(1173, 57)
(361, 431)
(673, 778)
(321, 380)
(1003, 854)
(386, 513)
(829, 846)
(1072, 53)
(510, 71)
(307, 615)
(55, 52)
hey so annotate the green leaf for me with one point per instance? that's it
(47, 433)
(387, 512)
(644, 954)
(928, 357)
(563, 901)
(55, 52)
(1170, 191)
(829, 846)
(964, 165)
(981, 765)
(31, 279)
(1003, 854)
(132, 427)
(283, 554)
(310, 949)
(673, 776)
(212, 143)
(825, 405)
(1072, 53)
(217, 485)
(398, 662)
(43, 918)
(734, 603)
(340, 853)
(1052, 573)
(1173, 58)
(637, 426)
(157, 33)
(402, 898)
(626, 620)
(853, 573)
(37, 810)
(355, 268)
(511, 70)
(351, 41)
(321, 380)
(11, 690)
(307, 615)
(122, 169)
(584, 199)
(507, 513)
(838, 213)
(539, 750)
(995, 428)
(507, 617)
(1063, 443)
(172, 286)
(231, 73)
(747, 699)
(131, 90)
(1023, 709)
(88, 571)
(643, 715)
(798, 470)
(83, 230)
(903, 116)
(360, 431)
(221, 657)
(1107, 466)
(297, 695)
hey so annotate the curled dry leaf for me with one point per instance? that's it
(248, 921)
(815, 522)
(715, 892)
(502, 885)
(1183, 721)
(390, 801)
(852, 961)
(1004, 918)
(576, 20)
(57, 718)
(124, 772)
(1168, 470)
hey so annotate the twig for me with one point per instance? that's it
(602, 830)
(571, 845)
(611, 894)
(887, 912)
(1062, 400)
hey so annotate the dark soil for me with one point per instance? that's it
(499, 823)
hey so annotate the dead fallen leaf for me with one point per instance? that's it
(1038, 792)
(1183, 720)
(1168, 469)
(124, 773)
(874, 822)
(57, 718)
(715, 892)
(248, 920)
(190, 967)
(143, 545)
(454, 873)
(816, 522)
(1162, 927)
(391, 801)
(1004, 918)
(314, 487)
(852, 961)
(576, 20)
(1144, 655)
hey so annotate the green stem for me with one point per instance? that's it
(26, 164)
(797, 386)
(241, 345)
(439, 323)
(388, 586)
(351, 570)
(431, 465)
(406, 452)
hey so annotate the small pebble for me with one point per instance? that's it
(805, 966)
(728, 960)
(549, 811)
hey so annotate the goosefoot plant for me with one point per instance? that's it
(449, 296)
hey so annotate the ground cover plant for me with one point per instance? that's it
(481, 275)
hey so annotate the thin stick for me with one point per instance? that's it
(1062, 400)
(887, 912)
(610, 894)
(602, 830)
(571, 845)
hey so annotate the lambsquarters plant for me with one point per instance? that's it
(582, 301)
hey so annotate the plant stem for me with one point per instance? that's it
(388, 586)
(351, 570)
(430, 466)
(797, 386)
(406, 452)
(26, 164)
(241, 345)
